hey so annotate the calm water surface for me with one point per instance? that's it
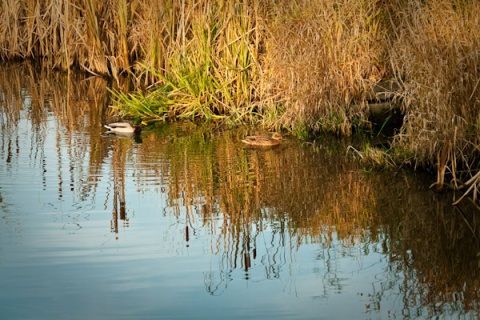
(186, 223)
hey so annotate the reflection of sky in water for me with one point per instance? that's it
(60, 259)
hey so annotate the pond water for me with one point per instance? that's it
(185, 222)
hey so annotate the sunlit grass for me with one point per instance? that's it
(212, 70)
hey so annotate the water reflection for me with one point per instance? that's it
(302, 226)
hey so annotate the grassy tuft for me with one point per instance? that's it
(212, 68)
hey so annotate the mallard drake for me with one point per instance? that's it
(123, 128)
(265, 141)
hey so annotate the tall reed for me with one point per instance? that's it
(11, 44)
(324, 57)
(436, 60)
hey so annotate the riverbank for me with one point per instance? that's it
(304, 67)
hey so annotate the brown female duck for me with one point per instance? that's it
(263, 141)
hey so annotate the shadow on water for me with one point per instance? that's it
(251, 210)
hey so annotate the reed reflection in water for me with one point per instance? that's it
(188, 223)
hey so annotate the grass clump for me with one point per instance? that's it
(212, 69)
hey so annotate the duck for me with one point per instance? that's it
(123, 128)
(265, 141)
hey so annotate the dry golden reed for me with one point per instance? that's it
(437, 62)
(324, 57)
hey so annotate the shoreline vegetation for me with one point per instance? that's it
(301, 66)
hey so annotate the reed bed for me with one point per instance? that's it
(214, 59)
(302, 66)
(324, 57)
(436, 60)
